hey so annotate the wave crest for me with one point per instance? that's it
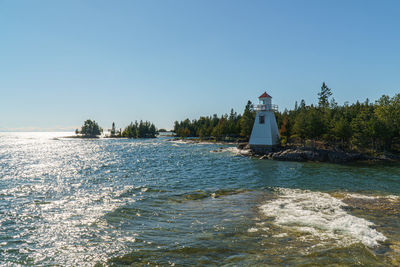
(322, 216)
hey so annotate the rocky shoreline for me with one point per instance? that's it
(301, 154)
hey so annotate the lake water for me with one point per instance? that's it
(73, 202)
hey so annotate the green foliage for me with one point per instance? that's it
(359, 129)
(300, 125)
(90, 129)
(226, 127)
(140, 130)
(360, 126)
(316, 126)
(342, 130)
(309, 124)
(388, 112)
(247, 120)
(323, 99)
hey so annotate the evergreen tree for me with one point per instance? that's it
(140, 130)
(324, 94)
(302, 104)
(247, 120)
(342, 131)
(388, 112)
(315, 124)
(359, 129)
(300, 126)
(91, 129)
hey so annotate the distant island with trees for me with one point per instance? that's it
(91, 129)
(365, 127)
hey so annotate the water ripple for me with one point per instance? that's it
(75, 202)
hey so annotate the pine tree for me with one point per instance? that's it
(300, 126)
(91, 129)
(247, 120)
(342, 131)
(323, 99)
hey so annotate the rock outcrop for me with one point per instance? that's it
(318, 155)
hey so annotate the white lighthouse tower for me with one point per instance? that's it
(265, 132)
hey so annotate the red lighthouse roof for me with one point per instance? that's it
(265, 95)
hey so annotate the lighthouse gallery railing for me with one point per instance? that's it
(267, 107)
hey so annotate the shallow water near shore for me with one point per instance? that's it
(73, 202)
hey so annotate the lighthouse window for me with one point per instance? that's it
(261, 119)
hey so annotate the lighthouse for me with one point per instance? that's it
(265, 134)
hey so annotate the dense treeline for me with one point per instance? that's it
(140, 130)
(226, 127)
(362, 126)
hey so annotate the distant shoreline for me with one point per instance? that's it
(82, 137)
(104, 137)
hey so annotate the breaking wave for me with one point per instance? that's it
(322, 216)
(234, 150)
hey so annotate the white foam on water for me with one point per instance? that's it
(244, 151)
(234, 150)
(393, 197)
(322, 216)
(356, 195)
(371, 197)
(178, 142)
(205, 143)
(238, 151)
(252, 230)
(184, 141)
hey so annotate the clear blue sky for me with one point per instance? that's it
(62, 62)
